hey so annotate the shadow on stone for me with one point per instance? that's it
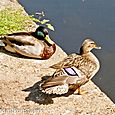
(40, 97)
(37, 95)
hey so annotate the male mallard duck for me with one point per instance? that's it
(31, 44)
(74, 71)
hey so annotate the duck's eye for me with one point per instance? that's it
(92, 43)
(41, 34)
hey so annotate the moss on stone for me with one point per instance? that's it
(13, 20)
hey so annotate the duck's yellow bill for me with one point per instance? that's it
(47, 38)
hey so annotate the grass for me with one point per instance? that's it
(13, 20)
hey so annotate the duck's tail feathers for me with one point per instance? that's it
(1, 43)
(2, 37)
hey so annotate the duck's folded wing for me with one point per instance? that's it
(60, 80)
(66, 62)
(29, 50)
(61, 84)
(51, 82)
(21, 38)
(55, 85)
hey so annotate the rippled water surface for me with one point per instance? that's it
(76, 19)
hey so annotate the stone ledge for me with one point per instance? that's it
(18, 74)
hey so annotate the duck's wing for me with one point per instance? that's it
(54, 81)
(67, 62)
(63, 76)
(21, 38)
(61, 81)
(56, 85)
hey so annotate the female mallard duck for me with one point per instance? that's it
(31, 44)
(74, 71)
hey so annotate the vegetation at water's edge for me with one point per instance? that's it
(14, 20)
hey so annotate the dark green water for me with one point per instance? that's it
(76, 19)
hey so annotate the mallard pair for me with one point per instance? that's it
(31, 44)
(73, 71)
(70, 73)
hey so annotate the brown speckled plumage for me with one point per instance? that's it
(73, 71)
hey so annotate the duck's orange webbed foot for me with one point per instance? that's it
(80, 92)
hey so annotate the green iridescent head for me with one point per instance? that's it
(42, 34)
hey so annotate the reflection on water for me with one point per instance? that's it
(74, 20)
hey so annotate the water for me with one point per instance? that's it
(76, 19)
